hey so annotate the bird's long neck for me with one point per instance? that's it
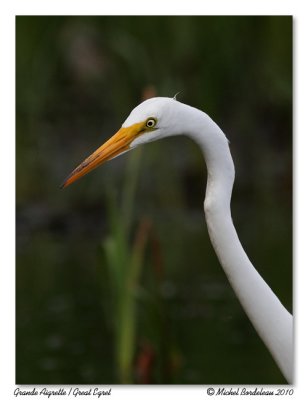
(270, 319)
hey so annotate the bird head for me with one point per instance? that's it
(149, 121)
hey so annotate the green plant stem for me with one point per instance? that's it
(129, 189)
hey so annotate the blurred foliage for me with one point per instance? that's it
(77, 78)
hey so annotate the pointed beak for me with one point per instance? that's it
(117, 144)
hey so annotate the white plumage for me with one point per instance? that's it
(161, 117)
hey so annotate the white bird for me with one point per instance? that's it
(161, 117)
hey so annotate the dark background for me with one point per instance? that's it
(77, 80)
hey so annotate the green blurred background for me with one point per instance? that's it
(77, 80)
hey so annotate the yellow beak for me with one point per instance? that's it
(116, 145)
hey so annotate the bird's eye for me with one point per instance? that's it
(151, 122)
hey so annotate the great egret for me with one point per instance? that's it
(160, 117)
